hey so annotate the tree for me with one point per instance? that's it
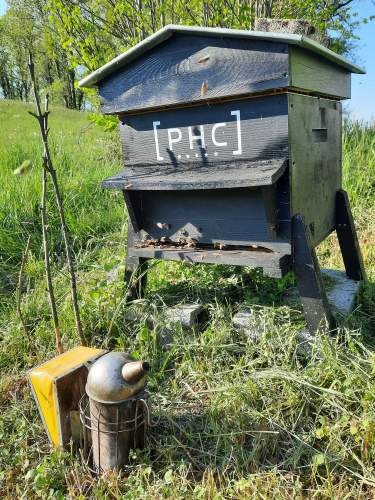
(93, 31)
(73, 37)
(26, 26)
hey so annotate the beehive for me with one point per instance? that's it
(230, 138)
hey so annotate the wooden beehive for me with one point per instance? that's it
(232, 144)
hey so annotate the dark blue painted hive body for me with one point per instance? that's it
(226, 135)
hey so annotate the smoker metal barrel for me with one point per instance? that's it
(111, 431)
(115, 411)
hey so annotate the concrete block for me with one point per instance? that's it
(341, 292)
(245, 321)
(187, 315)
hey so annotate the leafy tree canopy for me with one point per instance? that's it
(72, 37)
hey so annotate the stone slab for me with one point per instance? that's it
(244, 321)
(187, 315)
(341, 292)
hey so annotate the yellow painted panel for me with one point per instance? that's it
(64, 363)
(42, 385)
(43, 381)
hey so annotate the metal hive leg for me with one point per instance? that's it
(347, 236)
(309, 280)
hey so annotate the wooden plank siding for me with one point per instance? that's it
(188, 177)
(199, 69)
(236, 217)
(208, 135)
(274, 265)
(188, 69)
(315, 161)
(313, 73)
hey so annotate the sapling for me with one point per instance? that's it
(48, 168)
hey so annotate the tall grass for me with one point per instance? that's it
(81, 155)
(235, 417)
(359, 163)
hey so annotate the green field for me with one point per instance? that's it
(233, 418)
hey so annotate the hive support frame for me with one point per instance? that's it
(135, 269)
(306, 266)
(309, 280)
(347, 236)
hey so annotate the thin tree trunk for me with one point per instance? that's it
(47, 265)
(48, 165)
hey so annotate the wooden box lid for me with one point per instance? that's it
(182, 65)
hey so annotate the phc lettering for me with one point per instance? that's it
(195, 138)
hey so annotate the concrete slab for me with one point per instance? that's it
(187, 315)
(341, 292)
(245, 322)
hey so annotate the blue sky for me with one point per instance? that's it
(362, 104)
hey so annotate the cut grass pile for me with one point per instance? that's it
(233, 417)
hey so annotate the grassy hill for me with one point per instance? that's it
(234, 418)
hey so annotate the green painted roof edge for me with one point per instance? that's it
(160, 36)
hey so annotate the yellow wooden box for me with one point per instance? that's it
(57, 386)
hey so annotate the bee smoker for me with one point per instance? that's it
(115, 410)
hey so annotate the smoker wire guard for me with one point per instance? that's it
(88, 423)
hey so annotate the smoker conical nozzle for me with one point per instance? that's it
(134, 371)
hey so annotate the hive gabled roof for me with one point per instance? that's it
(168, 31)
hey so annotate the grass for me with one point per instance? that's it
(233, 418)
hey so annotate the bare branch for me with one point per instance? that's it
(48, 166)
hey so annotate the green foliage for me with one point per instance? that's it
(79, 152)
(359, 174)
(94, 31)
(109, 123)
(25, 27)
(69, 37)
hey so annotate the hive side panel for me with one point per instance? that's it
(187, 69)
(234, 216)
(315, 161)
(311, 72)
(207, 135)
(69, 390)
(230, 217)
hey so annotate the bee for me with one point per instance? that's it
(219, 245)
(204, 88)
(191, 243)
(164, 240)
(163, 225)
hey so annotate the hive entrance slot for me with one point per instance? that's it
(192, 244)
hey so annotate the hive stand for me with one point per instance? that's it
(309, 280)
(306, 266)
